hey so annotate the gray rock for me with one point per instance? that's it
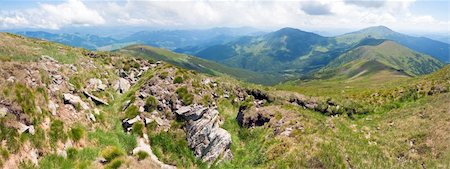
(95, 99)
(96, 84)
(91, 117)
(75, 100)
(208, 141)
(3, 111)
(53, 107)
(122, 85)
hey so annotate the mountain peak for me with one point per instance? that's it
(378, 30)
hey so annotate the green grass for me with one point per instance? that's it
(184, 95)
(150, 104)
(57, 132)
(77, 133)
(111, 152)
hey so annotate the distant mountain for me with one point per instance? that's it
(373, 56)
(282, 51)
(198, 64)
(428, 46)
(186, 39)
(87, 41)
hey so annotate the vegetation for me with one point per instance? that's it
(150, 104)
(142, 155)
(184, 95)
(57, 132)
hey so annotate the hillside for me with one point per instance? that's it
(284, 51)
(198, 64)
(73, 108)
(437, 49)
(382, 55)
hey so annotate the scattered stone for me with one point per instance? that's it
(52, 106)
(91, 117)
(95, 99)
(3, 111)
(122, 85)
(96, 84)
(34, 155)
(128, 123)
(75, 101)
(11, 79)
(24, 128)
(287, 132)
(48, 58)
(126, 104)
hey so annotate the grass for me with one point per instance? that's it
(184, 95)
(77, 133)
(142, 155)
(150, 104)
(111, 152)
(57, 132)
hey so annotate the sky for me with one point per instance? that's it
(319, 15)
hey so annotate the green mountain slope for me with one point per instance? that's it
(198, 64)
(428, 46)
(284, 51)
(381, 55)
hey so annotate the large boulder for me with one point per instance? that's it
(75, 101)
(208, 141)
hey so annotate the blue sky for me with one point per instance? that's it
(408, 15)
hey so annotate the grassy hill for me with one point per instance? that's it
(438, 50)
(198, 64)
(372, 57)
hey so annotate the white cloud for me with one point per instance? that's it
(71, 12)
(309, 15)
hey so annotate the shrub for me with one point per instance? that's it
(114, 164)
(178, 80)
(137, 128)
(112, 152)
(132, 112)
(184, 95)
(76, 133)
(151, 127)
(163, 75)
(57, 132)
(72, 153)
(142, 155)
(150, 104)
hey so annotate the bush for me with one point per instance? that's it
(137, 128)
(172, 148)
(184, 95)
(178, 80)
(150, 104)
(72, 153)
(163, 75)
(114, 164)
(142, 155)
(57, 132)
(132, 112)
(112, 152)
(76, 133)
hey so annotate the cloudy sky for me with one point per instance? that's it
(407, 15)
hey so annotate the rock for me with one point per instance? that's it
(148, 120)
(52, 106)
(208, 141)
(128, 123)
(191, 113)
(74, 68)
(96, 111)
(126, 104)
(57, 79)
(144, 147)
(11, 79)
(95, 99)
(3, 111)
(96, 84)
(287, 132)
(91, 117)
(24, 128)
(122, 85)
(34, 155)
(48, 58)
(75, 101)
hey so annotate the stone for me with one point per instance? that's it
(95, 99)
(24, 128)
(122, 85)
(208, 141)
(91, 117)
(128, 123)
(75, 101)
(48, 58)
(11, 79)
(53, 107)
(96, 84)
(3, 111)
(191, 113)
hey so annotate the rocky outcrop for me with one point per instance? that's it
(75, 101)
(208, 141)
